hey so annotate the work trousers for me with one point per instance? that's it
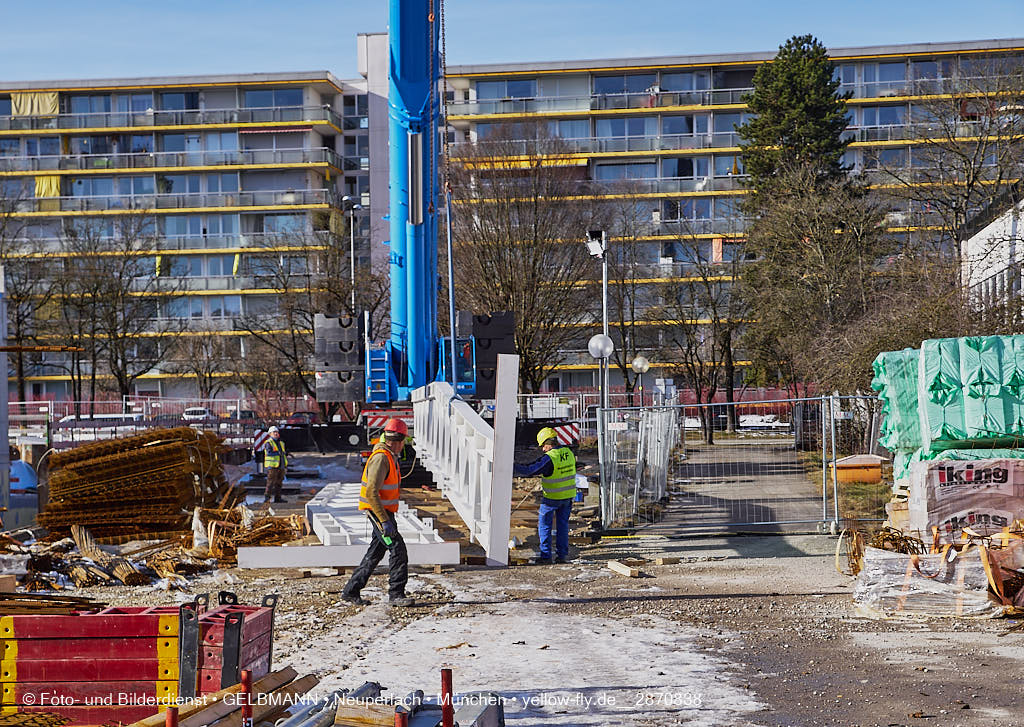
(398, 564)
(275, 478)
(558, 511)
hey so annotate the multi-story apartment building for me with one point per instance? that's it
(229, 171)
(668, 125)
(231, 167)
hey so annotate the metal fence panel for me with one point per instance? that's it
(759, 466)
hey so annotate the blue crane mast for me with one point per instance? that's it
(409, 359)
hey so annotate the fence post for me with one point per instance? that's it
(602, 448)
(824, 465)
(835, 465)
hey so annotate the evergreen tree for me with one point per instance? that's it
(799, 116)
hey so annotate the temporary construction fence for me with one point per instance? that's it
(789, 465)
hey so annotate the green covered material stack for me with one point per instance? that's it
(956, 398)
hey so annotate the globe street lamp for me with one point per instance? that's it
(641, 365)
(601, 347)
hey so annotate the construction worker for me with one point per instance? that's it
(275, 460)
(379, 498)
(557, 469)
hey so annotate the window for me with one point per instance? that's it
(686, 209)
(633, 170)
(886, 158)
(266, 98)
(684, 167)
(619, 84)
(128, 186)
(10, 147)
(885, 79)
(175, 308)
(177, 183)
(185, 266)
(92, 187)
(42, 146)
(5, 105)
(222, 141)
(222, 224)
(931, 69)
(570, 129)
(284, 223)
(728, 165)
(90, 104)
(222, 182)
(140, 143)
(195, 307)
(727, 123)
(354, 105)
(136, 103)
(91, 145)
(734, 79)
(217, 265)
(511, 88)
(846, 74)
(182, 225)
(639, 126)
(684, 125)
(179, 101)
(885, 115)
(695, 81)
(172, 142)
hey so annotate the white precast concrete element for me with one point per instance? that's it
(470, 460)
(335, 518)
(992, 260)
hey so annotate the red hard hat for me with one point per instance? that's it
(396, 425)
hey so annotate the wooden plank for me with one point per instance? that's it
(365, 713)
(284, 698)
(666, 561)
(201, 711)
(623, 569)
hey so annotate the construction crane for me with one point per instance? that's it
(409, 359)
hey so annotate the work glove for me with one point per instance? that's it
(389, 528)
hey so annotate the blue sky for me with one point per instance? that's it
(104, 38)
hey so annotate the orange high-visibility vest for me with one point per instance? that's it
(389, 489)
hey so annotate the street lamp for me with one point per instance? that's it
(352, 206)
(597, 246)
(641, 365)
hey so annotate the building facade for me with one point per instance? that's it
(236, 174)
(665, 130)
(234, 178)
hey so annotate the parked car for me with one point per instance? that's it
(196, 414)
(303, 418)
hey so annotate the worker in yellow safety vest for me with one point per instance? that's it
(557, 470)
(275, 462)
(378, 496)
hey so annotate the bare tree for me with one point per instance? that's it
(701, 314)
(519, 223)
(28, 279)
(136, 335)
(966, 152)
(201, 354)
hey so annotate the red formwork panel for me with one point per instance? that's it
(78, 668)
(258, 620)
(109, 623)
(80, 715)
(212, 657)
(113, 648)
(213, 680)
(88, 693)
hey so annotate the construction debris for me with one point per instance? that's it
(135, 486)
(228, 530)
(626, 568)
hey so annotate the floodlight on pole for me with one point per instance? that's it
(351, 205)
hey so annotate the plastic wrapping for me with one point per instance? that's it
(983, 495)
(896, 381)
(969, 391)
(892, 585)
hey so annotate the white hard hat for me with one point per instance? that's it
(273, 430)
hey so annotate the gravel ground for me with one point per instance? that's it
(762, 630)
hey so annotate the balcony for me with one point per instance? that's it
(169, 159)
(194, 117)
(170, 202)
(480, 151)
(172, 243)
(601, 102)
